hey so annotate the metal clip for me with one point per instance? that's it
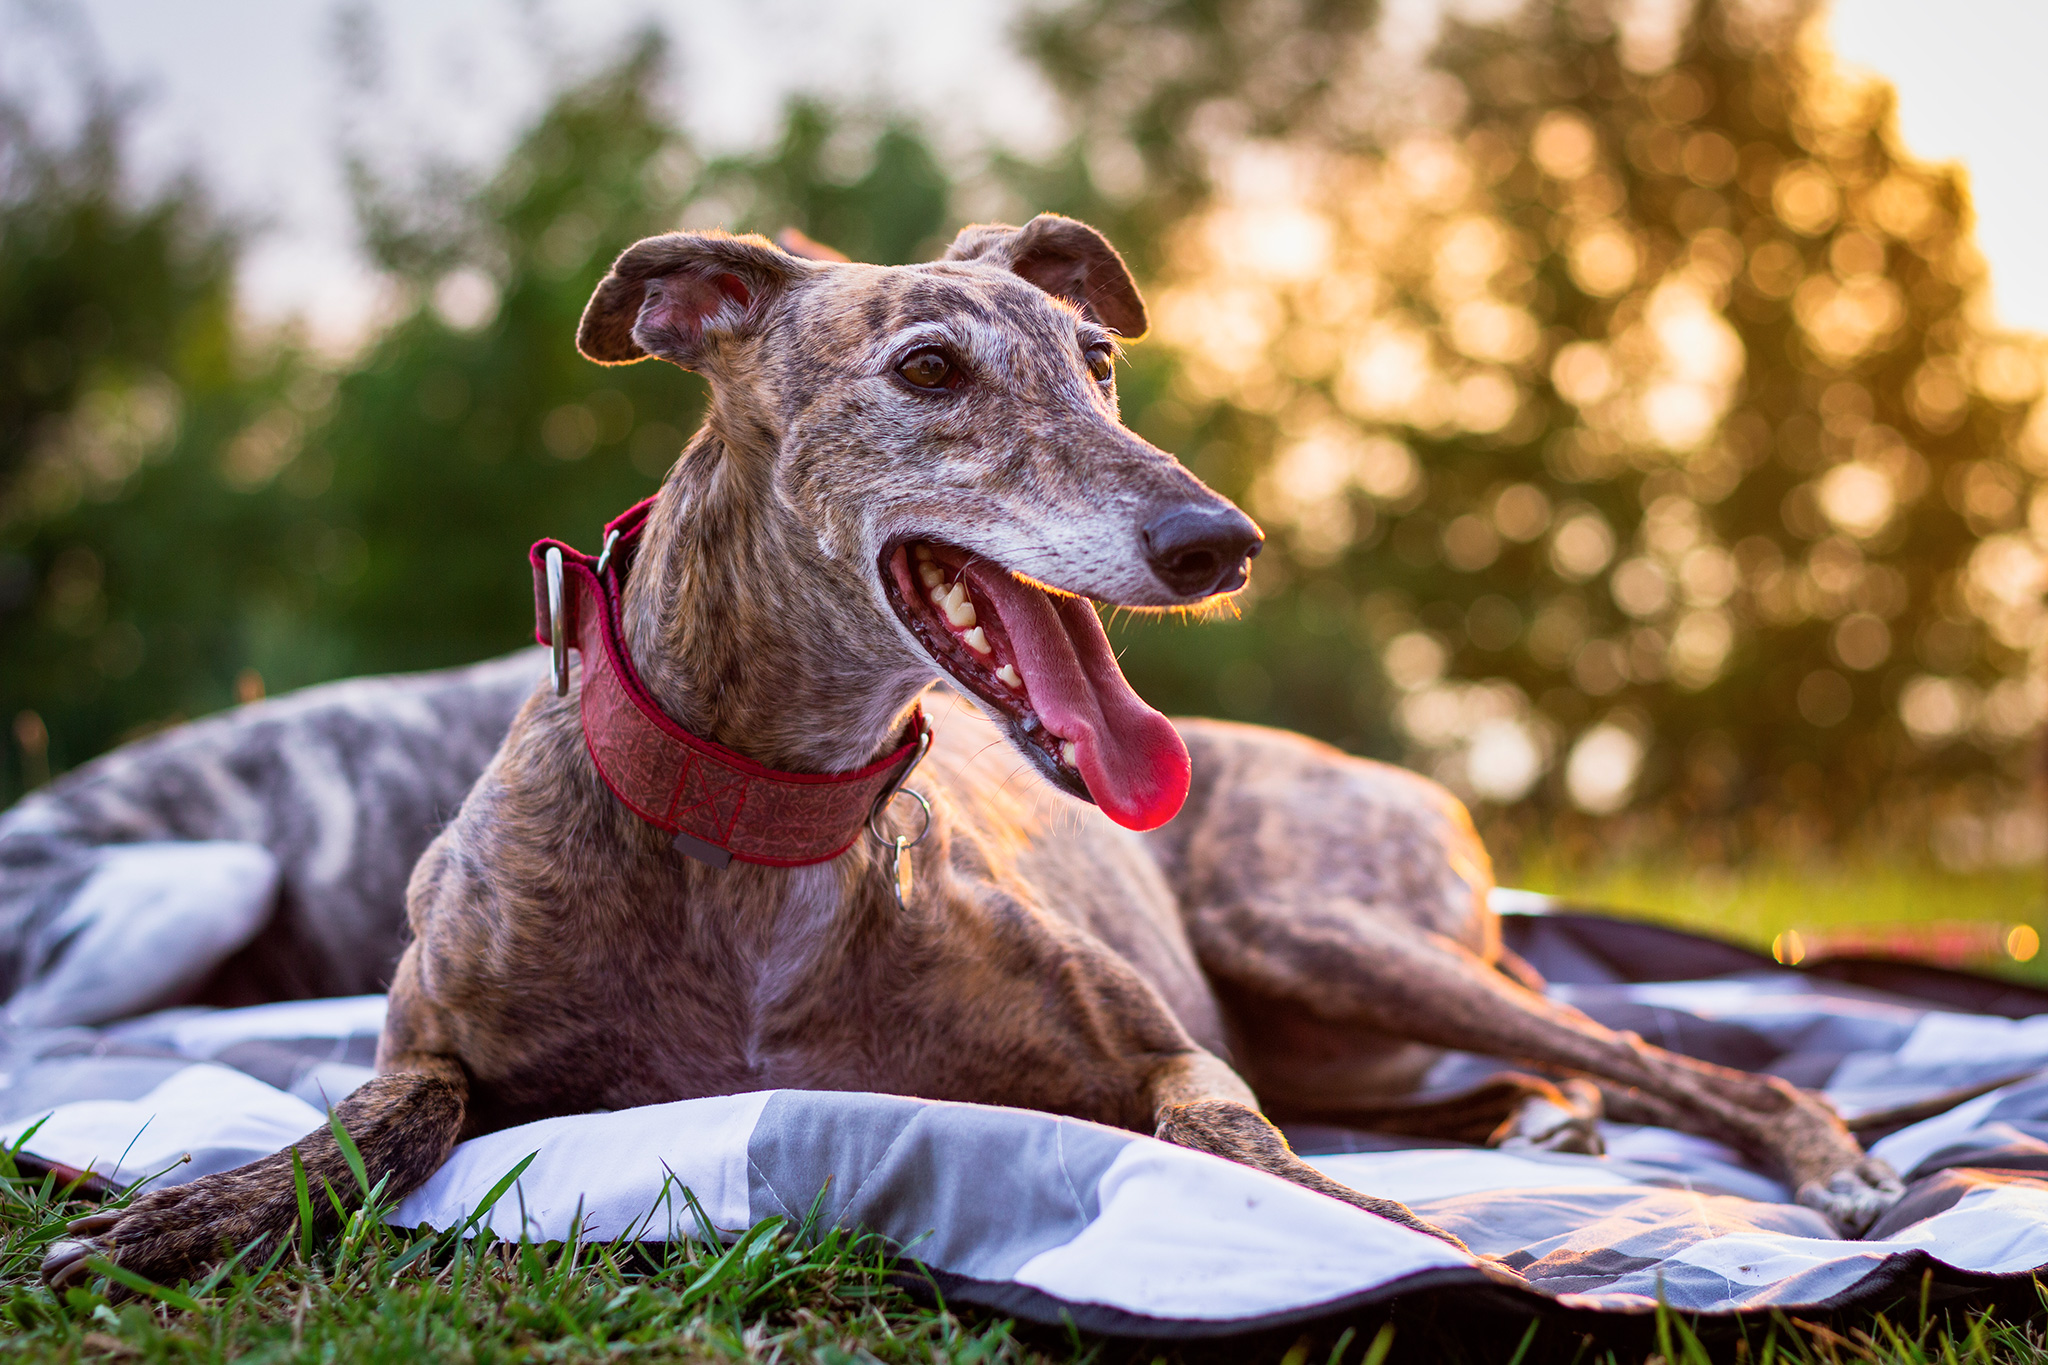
(558, 639)
(901, 845)
(604, 556)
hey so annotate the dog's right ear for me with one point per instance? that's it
(675, 295)
(1065, 258)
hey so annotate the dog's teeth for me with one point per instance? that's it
(942, 596)
(960, 611)
(1068, 754)
(922, 551)
(931, 573)
(1008, 673)
(977, 640)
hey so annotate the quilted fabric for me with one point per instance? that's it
(1054, 1220)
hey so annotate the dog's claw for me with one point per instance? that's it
(1543, 1127)
(1854, 1199)
(65, 1263)
(1542, 1124)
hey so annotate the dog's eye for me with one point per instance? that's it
(1101, 364)
(927, 370)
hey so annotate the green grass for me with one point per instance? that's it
(787, 1293)
(803, 1293)
(1756, 903)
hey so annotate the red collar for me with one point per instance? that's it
(720, 805)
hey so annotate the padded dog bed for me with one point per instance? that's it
(1053, 1219)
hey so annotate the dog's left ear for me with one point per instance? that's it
(1065, 258)
(675, 296)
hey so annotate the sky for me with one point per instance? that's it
(248, 93)
(1970, 91)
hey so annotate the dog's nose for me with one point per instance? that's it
(1196, 551)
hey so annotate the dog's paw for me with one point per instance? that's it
(1569, 1122)
(1855, 1198)
(165, 1236)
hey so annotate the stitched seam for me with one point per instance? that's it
(854, 1197)
(1059, 1136)
(769, 1185)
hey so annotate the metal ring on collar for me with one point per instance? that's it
(558, 639)
(876, 814)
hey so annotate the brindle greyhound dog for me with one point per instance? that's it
(907, 472)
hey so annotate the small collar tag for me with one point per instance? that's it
(702, 851)
(718, 804)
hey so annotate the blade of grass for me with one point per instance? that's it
(227, 1268)
(425, 1245)
(1528, 1340)
(708, 1234)
(305, 1194)
(497, 1192)
(121, 1275)
(349, 1153)
(727, 1265)
(15, 1148)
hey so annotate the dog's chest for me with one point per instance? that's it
(743, 1002)
(792, 950)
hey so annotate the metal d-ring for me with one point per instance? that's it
(604, 556)
(901, 845)
(901, 870)
(558, 639)
(905, 840)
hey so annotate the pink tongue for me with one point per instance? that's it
(1131, 757)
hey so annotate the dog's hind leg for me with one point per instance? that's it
(1339, 908)
(403, 1123)
(1352, 966)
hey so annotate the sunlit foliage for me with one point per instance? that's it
(1615, 391)
(124, 566)
(192, 512)
(1628, 397)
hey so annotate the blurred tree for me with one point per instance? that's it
(1626, 396)
(1633, 454)
(472, 427)
(124, 571)
(870, 187)
(190, 512)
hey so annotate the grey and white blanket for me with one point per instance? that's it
(1044, 1217)
(147, 879)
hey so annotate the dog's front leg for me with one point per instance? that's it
(1201, 1103)
(403, 1122)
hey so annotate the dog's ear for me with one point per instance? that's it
(1065, 258)
(671, 296)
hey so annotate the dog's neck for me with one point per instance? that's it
(746, 635)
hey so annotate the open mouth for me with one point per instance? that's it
(1041, 661)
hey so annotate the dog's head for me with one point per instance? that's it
(948, 434)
